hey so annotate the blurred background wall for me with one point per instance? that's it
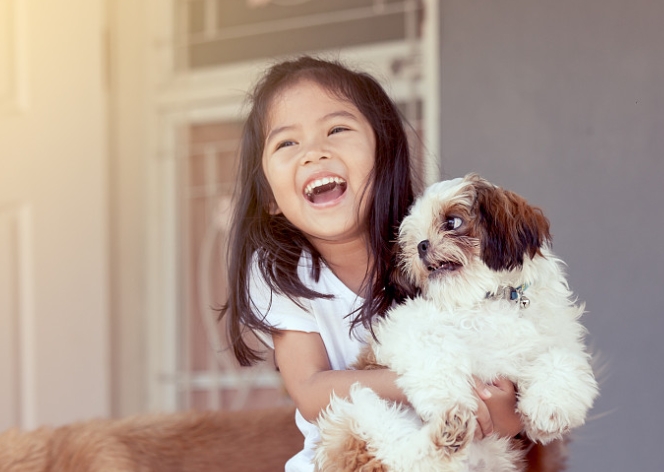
(118, 141)
(563, 102)
(54, 302)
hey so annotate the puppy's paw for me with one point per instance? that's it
(453, 432)
(545, 421)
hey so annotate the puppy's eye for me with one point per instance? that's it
(452, 223)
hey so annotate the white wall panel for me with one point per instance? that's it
(53, 191)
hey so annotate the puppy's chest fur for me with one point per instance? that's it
(492, 337)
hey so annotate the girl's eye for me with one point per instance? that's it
(338, 129)
(452, 223)
(284, 144)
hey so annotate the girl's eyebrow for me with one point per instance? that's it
(278, 130)
(339, 114)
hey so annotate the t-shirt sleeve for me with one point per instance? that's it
(278, 310)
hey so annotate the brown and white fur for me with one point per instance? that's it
(251, 441)
(464, 241)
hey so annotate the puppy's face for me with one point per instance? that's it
(462, 228)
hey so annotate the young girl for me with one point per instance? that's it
(324, 183)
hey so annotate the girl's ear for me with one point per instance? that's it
(510, 227)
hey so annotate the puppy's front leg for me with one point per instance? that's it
(559, 390)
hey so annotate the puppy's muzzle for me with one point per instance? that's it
(423, 251)
(434, 266)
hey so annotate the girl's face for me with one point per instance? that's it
(318, 156)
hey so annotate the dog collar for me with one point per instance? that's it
(511, 294)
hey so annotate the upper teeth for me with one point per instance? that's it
(309, 189)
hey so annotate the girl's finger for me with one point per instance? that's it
(503, 384)
(482, 389)
(484, 423)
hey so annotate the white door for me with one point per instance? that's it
(54, 330)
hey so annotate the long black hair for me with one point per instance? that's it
(274, 241)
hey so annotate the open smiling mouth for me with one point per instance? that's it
(442, 267)
(325, 190)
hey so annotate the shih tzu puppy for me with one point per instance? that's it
(493, 302)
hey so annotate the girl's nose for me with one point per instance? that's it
(312, 157)
(314, 153)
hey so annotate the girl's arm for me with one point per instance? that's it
(309, 379)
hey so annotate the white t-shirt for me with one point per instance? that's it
(324, 316)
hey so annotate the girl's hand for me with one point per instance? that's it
(496, 411)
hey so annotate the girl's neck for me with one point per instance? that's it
(350, 262)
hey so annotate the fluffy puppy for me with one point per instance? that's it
(493, 302)
(252, 441)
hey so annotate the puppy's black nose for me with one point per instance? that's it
(422, 248)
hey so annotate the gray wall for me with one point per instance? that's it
(563, 102)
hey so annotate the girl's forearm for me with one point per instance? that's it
(310, 380)
(313, 395)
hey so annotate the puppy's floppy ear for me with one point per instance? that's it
(400, 284)
(510, 227)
